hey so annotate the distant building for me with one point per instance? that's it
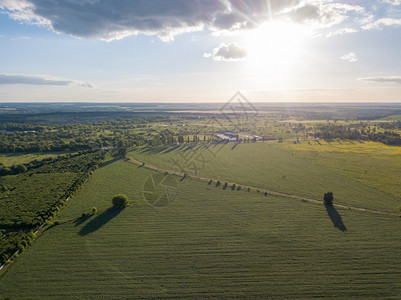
(223, 136)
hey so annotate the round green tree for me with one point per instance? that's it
(120, 201)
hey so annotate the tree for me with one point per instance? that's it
(120, 201)
(122, 152)
(328, 199)
(94, 210)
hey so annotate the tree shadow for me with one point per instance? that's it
(99, 221)
(234, 146)
(335, 218)
(109, 162)
(81, 220)
(171, 149)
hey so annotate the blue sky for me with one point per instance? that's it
(200, 50)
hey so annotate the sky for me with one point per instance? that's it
(200, 50)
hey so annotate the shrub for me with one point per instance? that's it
(21, 247)
(16, 169)
(120, 201)
(233, 187)
(328, 199)
(265, 194)
(5, 257)
(94, 210)
(218, 183)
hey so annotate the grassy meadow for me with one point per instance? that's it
(209, 243)
(9, 159)
(288, 169)
(373, 164)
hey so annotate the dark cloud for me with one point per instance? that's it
(116, 19)
(39, 80)
(108, 20)
(229, 52)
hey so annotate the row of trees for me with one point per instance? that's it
(360, 132)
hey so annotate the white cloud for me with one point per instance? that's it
(39, 80)
(322, 13)
(380, 23)
(351, 57)
(385, 79)
(341, 31)
(392, 2)
(227, 52)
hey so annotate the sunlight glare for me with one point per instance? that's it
(274, 45)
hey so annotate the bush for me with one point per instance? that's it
(16, 169)
(265, 194)
(233, 187)
(120, 201)
(94, 210)
(328, 199)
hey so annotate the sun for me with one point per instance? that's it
(275, 45)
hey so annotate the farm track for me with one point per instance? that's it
(270, 192)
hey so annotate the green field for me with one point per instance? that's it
(373, 164)
(284, 169)
(393, 118)
(10, 159)
(35, 195)
(209, 243)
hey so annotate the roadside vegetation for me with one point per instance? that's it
(37, 194)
